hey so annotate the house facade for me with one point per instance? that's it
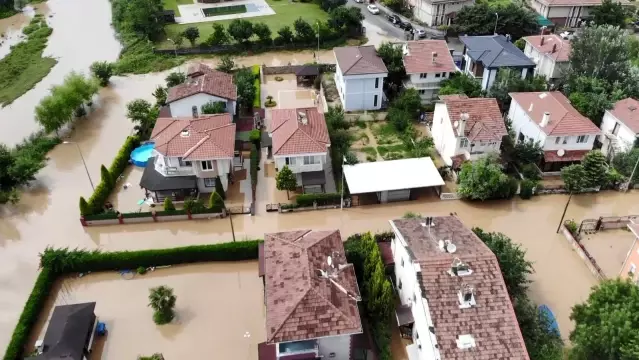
(551, 54)
(453, 298)
(427, 63)
(189, 156)
(311, 297)
(485, 56)
(468, 127)
(548, 118)
(435, 13)
(202, 86)
(359, 77)
(566, 13)
(620, 127)
(629, 267)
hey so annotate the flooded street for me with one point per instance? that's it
(11, 28)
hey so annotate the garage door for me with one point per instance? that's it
(398, 195)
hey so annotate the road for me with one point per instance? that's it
(377, 25)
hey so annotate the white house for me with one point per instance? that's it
(359, 77)
(203, 85)
(484, 56)
(438, 12)
(189, 155)
(311, 296)
(427, 63)
(468, 127)
(550, 52)
(548, 118)
(620, 127)
(566, 13)
(300, 141)
(454, 302)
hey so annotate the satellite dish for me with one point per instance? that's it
(329, 260)
(451, 248)
(456, 124)
(561, 152)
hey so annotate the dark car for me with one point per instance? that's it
(394, 19)
(406, 26)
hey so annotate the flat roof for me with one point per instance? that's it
(392, 175)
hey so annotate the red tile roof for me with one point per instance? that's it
(359, 60)
(491, 322)
(484, 122)
(564, 119)
(562, 47)
(300, 303)
(291, 136)
(568, 155)
(420, 57)
(453, 97)
(205, 138)
(202, 79)
(627, 111)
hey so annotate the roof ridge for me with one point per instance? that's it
(197, 145)
(358, 59)
(297, 238)
(297, 304)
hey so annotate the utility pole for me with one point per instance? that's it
(564, 214)
(231, 220)
(83, 162)
(496, 21)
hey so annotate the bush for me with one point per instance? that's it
(194, 206)
(137, 214)
(103, 71)
(102, 216)
(321, 199)
(255, 69)
(168, 204)
(219, 188)
(255, 136)
(171, 212)
(84, 207)
(530, 171)
(526, 189)
(257, 100)
(215, 202)
(141, 270)
(571, 225)
(255, 162)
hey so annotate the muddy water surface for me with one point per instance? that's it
(11, 28)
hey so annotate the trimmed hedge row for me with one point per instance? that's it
(257, 101)
(137, 214)
(57, 262)
(103, 216)
(321, 199)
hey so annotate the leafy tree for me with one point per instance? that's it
(244, 79)
(160, 95)
(285, 35)
(193, 206)
(219, 188)
(409, 100)
(102, 70)
(219, 36)
(483, 179)
(286, 180)
(304, 32)
(393, 58)
(175, 79)
(574, 178)
(592, 96)
(399, 118)
(596, 169)
(143, 17)
(528, 152)
(461, 83)
(609, 13)
(191, 33)
(510, 81)
(526, 188)
(162, 301)
(417, 148)
(606, 323)
(214, 107)
(52, 113)
(241, 30)
(168, 204)
(625, 163)
(350, 159)
(263, 32)
(106, 177)
(216, 202)
(328, 5)
(226, 64)
(542, 342)
(255, 136)
(85, 209)
(178, 40)
(345, 18)
(144, 115)
(514, 19)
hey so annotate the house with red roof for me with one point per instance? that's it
(300, 141)
(620, 127)
(467, 128)
(359, 77)
(568, 13)
(203, 85)
(550, 52)
(548, 118)
(189, 156)
(427, 63)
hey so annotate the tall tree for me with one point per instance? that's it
(144, 17)
(241, 30)
(218, 37)
(286, 180)
(304, 32)
(483, 179)
(574, 178)
(595, 168)
(393, 58)
(592, 96)
(244, 80)
(345, 18)
(226, 64)
(175, 78)
(609, 13)
(514, 19)
(284, 35)
(144, 115)
(328, 5)
(625, 163)
(191, 33)
(162, 301)
(263, 32)
(461, 83)
(510, 81)
(102, 70)
(160, 95)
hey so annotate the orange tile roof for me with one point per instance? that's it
(202, 79)
(561, 47)
(420, 57)
(359, 60)
(485, 121)
(291, 136)
(627, 111)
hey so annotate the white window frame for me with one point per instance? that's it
(310, 160)
(423, 75)
(582, 139)
(206, 165)
(184, 163)
(557, 139)
(463, 142)
(209, 182)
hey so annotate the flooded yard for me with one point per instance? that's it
(219, 310)
(609, 248)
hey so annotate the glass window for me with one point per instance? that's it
(375, 101)
(209, 182)
(565, 140)
(310, 160)
(207, 165)
(582, 139)
(463, 142)
(194, 110)
(438, 75)
(184, 163)
(376, 83)
(421, 92)
(423, 76)
(557, 140)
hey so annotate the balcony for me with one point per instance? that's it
(305, 168)
(174, 171)
(297, 348)
(423, 85)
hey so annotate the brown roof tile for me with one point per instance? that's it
(209, 137)
(484, 118)
(359, 60)
(491, 322)
(300, 304)
(562, 47)
(564, 119)
(202, 79)
(627, 111)
(291, 136)
(420, 57)
(569, 155)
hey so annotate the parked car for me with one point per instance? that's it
(567, 35)
(394, 19)
(359, 1)
(406, 26)
(373, 9)
(420, 33)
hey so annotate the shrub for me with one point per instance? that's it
(370, 158)
(171, 212)
(255, 161)
(193, 206)
(571, 225)
(321, 199)
(255, 136)
(278, 78)
(219, 188)
(137, 214)
(215, 202)
(526, 189)
(141, 270)
(84, 207)
(102, 216)
(168, 204)
(530, 171)
(257, 100)
(255, 69)
(105, 176)
(103, 71)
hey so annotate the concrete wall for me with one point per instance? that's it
(589, 261)
(360, 92)
(184, 107)
(340, 346)
(428, 86)
(436, 14)
(444, 137)
(625, 136)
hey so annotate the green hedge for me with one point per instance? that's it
(257, 101)
(322, 199)
(102, 216)
(171, 212)
(137, 214)
(57, 262)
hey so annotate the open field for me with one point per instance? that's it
(173, 5)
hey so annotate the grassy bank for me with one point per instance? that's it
(7, 11)
(24, 67)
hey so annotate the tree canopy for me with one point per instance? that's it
(510, 81)
(461, 83)
(241, 30)
(484, 179)
(609, 13)
(479, 19)
(393, 58)
(143, 17)
(574, 178)
(286, 180)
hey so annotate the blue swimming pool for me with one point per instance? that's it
(141, 154)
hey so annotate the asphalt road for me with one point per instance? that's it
(379, 23)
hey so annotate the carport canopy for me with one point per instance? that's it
(392, 175)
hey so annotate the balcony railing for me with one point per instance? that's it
(298, 347)
(305, 168)
(175, 171)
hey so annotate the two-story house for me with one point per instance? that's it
(548, 118)
(202, 86)
(300, 141)
(620, 127)
(454, 301)
(427, 63)
(484, 56)
(468, 127)
(550, 52)
(629, 267)
(438, 12)
(566, 13)
(311, 297)
(359, 77)
(188, 156)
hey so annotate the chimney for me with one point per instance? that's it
(530, 108)
(554, 48)
(545, 120)
(302, 117)
(542, 41)
(434, 57)
(462, 123)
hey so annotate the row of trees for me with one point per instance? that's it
(593, 172)
(484, 179)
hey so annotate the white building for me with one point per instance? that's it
(620, 127)
(548, 118)
(468, 127)
(203, 85)
(309, 313)
(359, 77)
(189, 155)
(454, 303)
(438, 12)
(484, 56)
(427, 63)
(551, 54)
(566, 13)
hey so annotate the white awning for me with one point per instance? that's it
(392, 175)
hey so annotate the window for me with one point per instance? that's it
(557, 140)
(402, 262)
(633, 269)
(565, 140)
(207, 165)
(375, 101)
(423, 76)
(209, 182)
(438, 75)
(194, 110)
(421, 92)
(582, 139)
(290, 161)
(463, 142)
(310, 160)
(443, 74)
(400, 285)
(376, 83)
(184, 163)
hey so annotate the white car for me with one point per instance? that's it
(421, 33)
(373, 9)
(359, 1)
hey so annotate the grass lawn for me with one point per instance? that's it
(173, 5)
(285, 14)
(499, 2)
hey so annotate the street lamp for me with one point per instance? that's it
(496, 21)
(83, 162)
